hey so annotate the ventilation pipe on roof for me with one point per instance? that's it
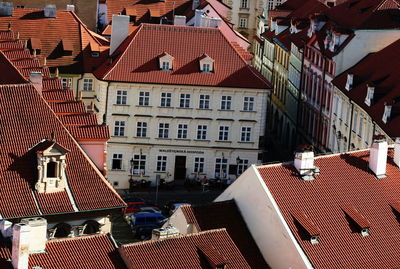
(396, 157)
(119, 31)
(378, 156)
(179, 20)
(50, 11)
(304, 162)
(71, 8)
(37, 80)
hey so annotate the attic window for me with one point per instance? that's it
(206, 64)
(166, 61)
(213, 256)
(370, 95)
(386, 113)
(356, 220)
(349, 82)
(308, 230)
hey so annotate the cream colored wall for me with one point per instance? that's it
(152, 146)
(178, 220)
(265, 222)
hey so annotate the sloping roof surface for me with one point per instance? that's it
(380, 71)
(182, 252)
(27, 119)
(226, 215)
(344, 179)
(186, 44)
(93, 251)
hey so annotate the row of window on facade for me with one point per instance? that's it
(87, 83)
(182, 131)
(139, 165)
(318, 59)
(184, 100)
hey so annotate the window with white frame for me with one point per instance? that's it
(221, 167)
(141, 129)
(206, 68)
(66, 82)
(166, 99)
(119, 128)
(242, 22)
(182, 131)
(204, 101)
(161, 163)
(242, 166)
(245, 135)
(166, 61)
(354, 121)
(202, 132)
(248, 103)
(121, 97)
(163, 130)
(198, 164)
(184, 101)
(88, 84)
(165, 66)
(139, 164)
(226, 102)
(223, 133)
(244, 4)
(116, 163)
(206, 64)
(144, 98)
(360, 127)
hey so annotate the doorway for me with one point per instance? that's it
(180, 168)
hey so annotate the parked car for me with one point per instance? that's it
(133, 205)
(144, 232)
(150, 209)
(147, 218)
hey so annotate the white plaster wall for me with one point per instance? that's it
(178, 220)
(271, 234)
(364, 42)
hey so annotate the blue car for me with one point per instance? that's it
(147, 218)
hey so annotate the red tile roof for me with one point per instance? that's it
(26, 114)
(66, 30)
(186, 45)
(226, 215)
(184, 252)
(380, 70)
(93, 251)
(344, 179)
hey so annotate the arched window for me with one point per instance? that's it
(62, 230)
(51, 169)
(91, 227)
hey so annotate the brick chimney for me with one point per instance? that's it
(119, 31)
(378, 156)
(37, 80)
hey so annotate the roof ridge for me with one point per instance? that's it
(87, 236)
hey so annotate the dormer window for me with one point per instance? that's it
(166, 62)
(206, 64)
(370, 95)
(386, 113)
(349, 82)
(51, 166)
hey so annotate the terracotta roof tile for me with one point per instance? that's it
(186, 45)
(183, 252)
(226, 215)
(343, 179)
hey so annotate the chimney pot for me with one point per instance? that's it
(20, 246)
(378, 156)
(119, 31)
(304, 160)
(71, 8)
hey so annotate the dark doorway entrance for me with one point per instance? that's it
(180, 168)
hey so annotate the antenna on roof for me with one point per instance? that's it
(53, 136)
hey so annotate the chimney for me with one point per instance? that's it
(180, 20)
(37, 80)
(396, 157)
(197, 17)
(50, 11)
(195, 4)
(166, 232)
(20, 246)
(378, 156)
(38, 236)
(215, 22)
(71, 8)
(119, 31)
(6, 228)
(6, 9)
(349, 82)
(304, 162)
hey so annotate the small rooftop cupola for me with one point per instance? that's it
(396, 157)
(356, 219)
(369, 99)
(304, 162)
(378, 156)
(51, 165)
(50, 11)
(349, 82)
(387, 112)
(206, 64)
(166, 61)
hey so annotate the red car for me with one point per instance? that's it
(133, 205)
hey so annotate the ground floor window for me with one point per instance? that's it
(221, 166)
(242, 166)
(161, 163)
(139, 164)
(198, 164)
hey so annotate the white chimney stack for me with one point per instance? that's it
(378, 156)
(396, 157)
(304, 161)
(20, 246)
(37, 80)
(197, 17)
(71, 8)
(180, 20)
(119, 31)
(38, 237)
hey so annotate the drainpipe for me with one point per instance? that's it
(77, 86)
(320, 106)
(351, 126)
(105, 111)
